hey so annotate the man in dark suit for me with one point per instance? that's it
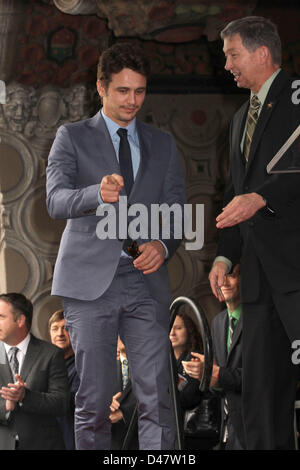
(226, 333)
(60, 337)
(33, 380)
(260, 225)
(123, 416)
(104, 290)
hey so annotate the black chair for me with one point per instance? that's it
(202, 324)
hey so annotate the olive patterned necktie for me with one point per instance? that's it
(251, 123)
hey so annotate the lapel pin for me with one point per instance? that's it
(270, 105)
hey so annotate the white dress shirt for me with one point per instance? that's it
(22, 346)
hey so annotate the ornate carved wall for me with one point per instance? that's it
(54, 59)
(29, 237)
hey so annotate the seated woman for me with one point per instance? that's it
(186, 339)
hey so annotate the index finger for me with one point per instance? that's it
(117, 179)
(197, 356)
(217, 279)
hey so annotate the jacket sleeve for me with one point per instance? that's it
(190, 396)
(230, 380)
(127, 406)
(64, 199)
(55, 401)
(4, 415)
(230, 241)
(174, 193)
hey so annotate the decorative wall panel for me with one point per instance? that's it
(29, 238)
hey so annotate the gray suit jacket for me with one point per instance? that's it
(82, 153)
(46, 397)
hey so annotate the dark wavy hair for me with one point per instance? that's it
(194, 340)
(19, 305)
(118, 57)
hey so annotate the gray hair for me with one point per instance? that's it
(256, 31)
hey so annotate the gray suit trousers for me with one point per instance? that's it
(128, 308)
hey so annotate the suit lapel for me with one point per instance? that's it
(238, 131)
(223, 335)
(145, 138)
(5, 370)
(266, 112)
(32, 354)
(102, 142)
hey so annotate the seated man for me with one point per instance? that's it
(60, 337)
(123, 406)
(33, 381)
(227, 369)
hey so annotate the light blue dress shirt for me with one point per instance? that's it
(133, 140)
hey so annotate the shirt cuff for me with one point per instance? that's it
(99, 197)
(166, 249)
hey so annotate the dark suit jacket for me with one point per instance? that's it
(273, 240)
(230, 375)
(127, 406)
(67, 422)
(46, 397)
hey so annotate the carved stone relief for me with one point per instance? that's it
(29, 238)
(12, 19)
(166, 21)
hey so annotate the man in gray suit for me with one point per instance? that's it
(103, 289)
(33, 381)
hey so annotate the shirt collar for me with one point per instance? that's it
(264, 90)
(112, 127)
(23, 345)
(122, 358)
(236, 313)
